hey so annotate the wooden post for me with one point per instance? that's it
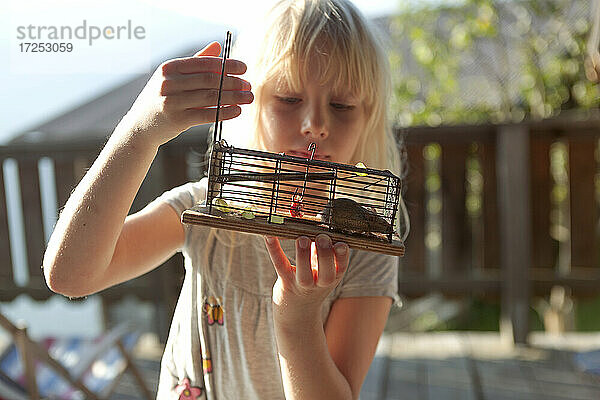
(544, 246)
(20, 336)
(32, 217)
(6, 267)
(584, 215)
(491, 245)
(135, 372)
(515, 229)
(456, 246)
(413, 263)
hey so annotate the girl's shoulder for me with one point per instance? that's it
(370, 274)
(185, 196)
(371, 260)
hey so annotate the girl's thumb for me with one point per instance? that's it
(212, 49)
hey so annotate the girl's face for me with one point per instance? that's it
(331, 117)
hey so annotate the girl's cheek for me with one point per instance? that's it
(271, 124)
(351, 118)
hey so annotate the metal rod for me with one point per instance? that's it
(270, 177)
(311, 147)
(331, 197)
(277, 166)
(217, 132)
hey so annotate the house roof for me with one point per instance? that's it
(94, 119)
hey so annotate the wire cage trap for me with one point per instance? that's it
(289, 196)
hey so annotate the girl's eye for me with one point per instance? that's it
(289, 100)
(341, 107)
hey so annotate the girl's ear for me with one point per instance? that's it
(212, 49)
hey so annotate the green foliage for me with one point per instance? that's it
(490, 61)
(480, 316)
(484, 315)
(587, 317)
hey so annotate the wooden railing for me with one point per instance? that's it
(530, 230)
(480, 198)
(176, 163)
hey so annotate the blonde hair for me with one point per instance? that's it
(354, 59)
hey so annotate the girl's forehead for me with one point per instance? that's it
(295, 73)
(284, 83)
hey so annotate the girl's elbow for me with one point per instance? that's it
(66, 288)
(49, 269)
(58, 284)
(61, 280)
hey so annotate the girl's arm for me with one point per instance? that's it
(353, 329)
(93, 244)
(319, 362)
(84, 241)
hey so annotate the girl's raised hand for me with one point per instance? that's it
(300, 290)
(183, 93)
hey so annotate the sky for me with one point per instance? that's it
(39, 86)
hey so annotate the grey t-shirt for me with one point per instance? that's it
(221, 337)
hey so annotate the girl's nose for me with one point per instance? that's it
(314, 124)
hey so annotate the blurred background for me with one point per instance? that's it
(495, 103)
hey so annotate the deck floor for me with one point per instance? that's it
(450, 365)
(459, 365)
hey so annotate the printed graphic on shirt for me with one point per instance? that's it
(207, 365)
(187, 392)
(213, 310)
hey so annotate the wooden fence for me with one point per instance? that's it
(530, 231)
(489, 214)
(176, 163)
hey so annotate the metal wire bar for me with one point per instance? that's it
(219, 127)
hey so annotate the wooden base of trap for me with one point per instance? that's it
(290, 229)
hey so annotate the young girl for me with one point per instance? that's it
(257, 318)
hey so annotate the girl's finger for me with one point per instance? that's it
(280, 261)
(342, 255)
(211, 49)
(196, 65)
(208, 98)
(326, 261)
(304, 273)
(193, 116)
(206, 80)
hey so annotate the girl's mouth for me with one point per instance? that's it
(306, 154)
